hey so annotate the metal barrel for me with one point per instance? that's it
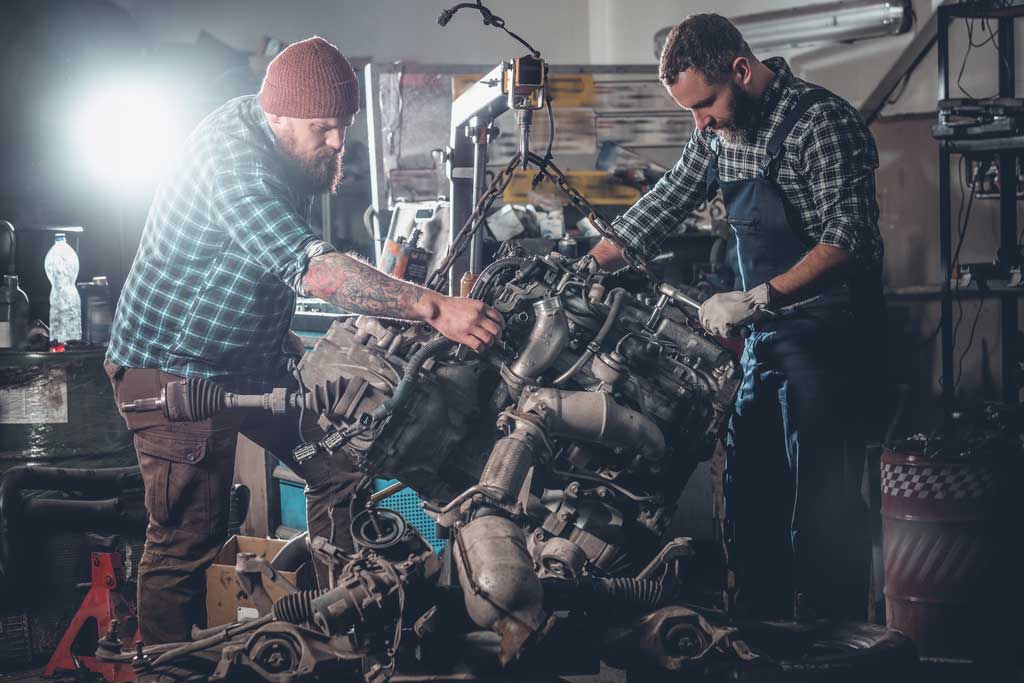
(58, 408)
(939, 545)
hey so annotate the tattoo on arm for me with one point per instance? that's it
(358, 287)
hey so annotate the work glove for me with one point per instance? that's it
(724, 314)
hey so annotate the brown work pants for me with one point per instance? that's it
(187, 469)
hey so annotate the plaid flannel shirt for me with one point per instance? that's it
(826, 171)
(211, 292)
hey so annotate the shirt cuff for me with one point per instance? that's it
(314, 248)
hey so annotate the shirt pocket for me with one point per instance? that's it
(745, 226)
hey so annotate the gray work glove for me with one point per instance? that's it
(723, 314)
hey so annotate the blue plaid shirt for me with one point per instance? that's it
(212, 289)
(827, 173)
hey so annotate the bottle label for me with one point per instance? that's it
(6, 335)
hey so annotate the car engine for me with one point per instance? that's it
(563, 448)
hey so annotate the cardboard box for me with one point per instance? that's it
(225, 600)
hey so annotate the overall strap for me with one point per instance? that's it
(711, 174)
(775, 143)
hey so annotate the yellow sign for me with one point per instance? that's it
(597, 187)
(566, 90)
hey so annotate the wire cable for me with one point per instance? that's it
(970, 342)
(489, 19)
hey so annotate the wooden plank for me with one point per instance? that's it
(253, 470)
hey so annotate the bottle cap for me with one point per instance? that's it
(60, 237)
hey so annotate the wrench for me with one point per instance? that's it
(667, 290)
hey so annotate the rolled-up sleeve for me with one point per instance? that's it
(646, 224)
(252, 208)
(839, 158)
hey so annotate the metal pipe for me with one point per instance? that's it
(524, 119)
(830, 22)
(386, 492)
(594, 417)
(479, 132)
(501, 590)
(548, 338)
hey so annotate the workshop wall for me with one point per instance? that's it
(383, 29)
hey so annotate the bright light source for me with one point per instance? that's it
(127, 135)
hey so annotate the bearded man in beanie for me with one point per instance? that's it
(226, 248)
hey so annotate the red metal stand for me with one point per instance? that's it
(103, 603)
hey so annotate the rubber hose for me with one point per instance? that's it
(491, 270)
(617, 296)
(403, 392)
(293, 555)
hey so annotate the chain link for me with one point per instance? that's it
(438, 280)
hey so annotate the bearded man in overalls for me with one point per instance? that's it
(796, 167)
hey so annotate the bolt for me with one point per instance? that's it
(563, 515)
(680, 640)
(572, 489)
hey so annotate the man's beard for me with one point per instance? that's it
(322, 173)
(745, 114)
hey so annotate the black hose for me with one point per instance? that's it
(403, 392)
(489, 272)
(617, 296)
(84, 514)
(293, 555)
(97, 482)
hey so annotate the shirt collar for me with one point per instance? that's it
(261, 120)
(773, 93)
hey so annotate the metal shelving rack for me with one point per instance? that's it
(1006, 149)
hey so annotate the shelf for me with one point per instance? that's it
(1006, 144)
(935, 291)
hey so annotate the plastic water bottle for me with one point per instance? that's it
(61, 266)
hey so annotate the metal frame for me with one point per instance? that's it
(473, 113)
(478, 104)
(1006, 150)
(912, 55)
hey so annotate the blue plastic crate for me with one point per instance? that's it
(293, 504)
(407, 503)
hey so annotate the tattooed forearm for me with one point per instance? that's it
(358, 287)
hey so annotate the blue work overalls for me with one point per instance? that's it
(795, 522)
